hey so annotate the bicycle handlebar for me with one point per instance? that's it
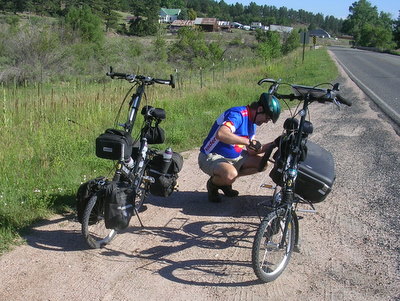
(141, 78)
(309, 94)
(306, 92)
(329, 96)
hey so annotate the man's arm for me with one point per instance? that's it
(225, 135)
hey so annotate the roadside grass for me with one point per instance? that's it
(48, 131)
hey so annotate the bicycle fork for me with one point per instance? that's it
(290, 216)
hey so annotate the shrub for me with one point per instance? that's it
(33, 54)
(192, 51)
(86, 24)
(290, 42)
(269, 46)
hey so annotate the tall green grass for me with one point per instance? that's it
(48, 131)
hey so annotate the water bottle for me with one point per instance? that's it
(167, 157)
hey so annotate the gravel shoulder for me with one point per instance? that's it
(191, 249)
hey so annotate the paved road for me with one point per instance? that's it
(377, 74)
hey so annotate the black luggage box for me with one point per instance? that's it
(316, 174)
(114, 145)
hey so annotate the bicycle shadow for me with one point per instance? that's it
(204, 271)
(43, 235)
(194, 203)
(52, 235)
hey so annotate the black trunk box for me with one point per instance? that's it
(316, 174)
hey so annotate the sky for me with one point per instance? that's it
(336, 8)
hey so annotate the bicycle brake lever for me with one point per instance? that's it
(335, 87)
(337, 103)
(130, 78)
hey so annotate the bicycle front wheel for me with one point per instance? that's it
(94, 229)
(272, 248)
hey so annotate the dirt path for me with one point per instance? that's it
(194, 250)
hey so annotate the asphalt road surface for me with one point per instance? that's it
(377, 74)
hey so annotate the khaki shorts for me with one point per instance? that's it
(208, 163)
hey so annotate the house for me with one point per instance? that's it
(319, 33)
(280, 28)
(168, 15)
(178, 24)
(207, 24)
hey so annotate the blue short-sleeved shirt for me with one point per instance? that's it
(237, 120)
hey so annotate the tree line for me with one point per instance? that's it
(368, 26)
(238, 12)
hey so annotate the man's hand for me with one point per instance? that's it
(254, 145)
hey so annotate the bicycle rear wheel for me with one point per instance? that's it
(94, 229)
(271, 250)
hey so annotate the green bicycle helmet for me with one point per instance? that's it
(271, 106)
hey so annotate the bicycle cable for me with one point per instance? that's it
(123, 102)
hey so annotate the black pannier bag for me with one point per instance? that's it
(164, 183)
(84, 194)
(316, 174)
(114, 145)
(154, 134)
(118, 209)
(152, 131)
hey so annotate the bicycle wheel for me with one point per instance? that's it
(271, 251)
(93, 227)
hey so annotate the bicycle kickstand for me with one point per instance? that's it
(140, 221)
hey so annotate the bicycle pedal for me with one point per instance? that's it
(268, 186)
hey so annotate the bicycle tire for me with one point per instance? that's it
(94, 229)
(269, 260)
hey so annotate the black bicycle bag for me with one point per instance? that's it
(114, 145)
(316, 174)
(165, 183)
(154, 134)
(84, 194)
(118, 210)
(152, 130)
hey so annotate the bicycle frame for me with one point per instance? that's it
(128, 127)
(135, 103)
